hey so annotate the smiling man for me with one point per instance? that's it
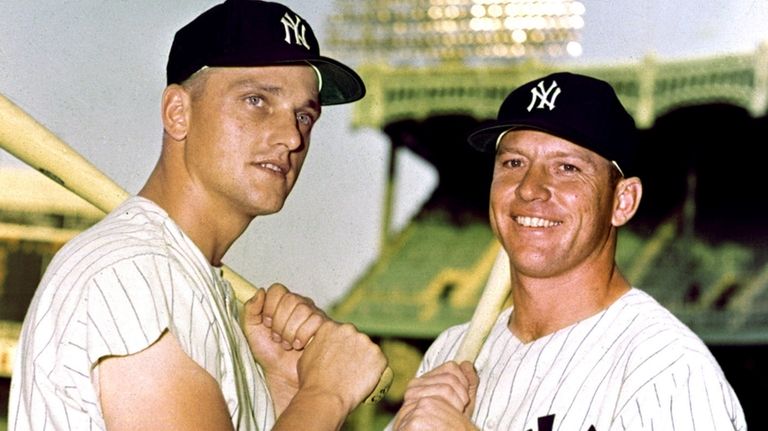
(133, 326)
(581, 349)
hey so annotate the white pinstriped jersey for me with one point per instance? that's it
(633, 366)
(114, 290)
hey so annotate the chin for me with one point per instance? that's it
(264, 204)
(266, 210)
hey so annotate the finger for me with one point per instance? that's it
(429, 414)
(294, 318)
(308, 329)
(450, 367)
(449, 370)
(403, 416)
(441, 385)
(291, 306)
(458, 398)
(275, 294)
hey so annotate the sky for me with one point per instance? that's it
(92, 71)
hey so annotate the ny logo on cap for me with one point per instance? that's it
(546, 97)
(298, 28)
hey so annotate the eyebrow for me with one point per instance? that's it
(249, 84)
(583, 156)
(276, 90)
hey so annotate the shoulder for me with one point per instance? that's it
(658, 345)
(132, 229)
(669, 369)
(648, 323)
(137, 233)
(123, 278)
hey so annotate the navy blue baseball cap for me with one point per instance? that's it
(579, 108)
(245, 33)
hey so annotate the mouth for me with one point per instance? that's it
(273, 167)
(536, 222)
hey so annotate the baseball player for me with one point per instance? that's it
(133, 326)
(580, 349)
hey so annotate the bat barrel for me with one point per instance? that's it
(33, 143)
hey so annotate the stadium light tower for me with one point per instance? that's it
(428, 32)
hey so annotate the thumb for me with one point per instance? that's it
(254, 307)
(469, 371)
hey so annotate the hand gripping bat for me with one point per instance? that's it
(28, 140)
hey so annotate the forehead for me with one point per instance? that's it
(295, 79)
(535, 142)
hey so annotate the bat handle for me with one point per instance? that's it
(487, 310)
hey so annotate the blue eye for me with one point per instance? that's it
(254, 100)
(305, 119)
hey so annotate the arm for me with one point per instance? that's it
(440, 399)
(160, 388)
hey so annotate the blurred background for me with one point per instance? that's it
(387, 227)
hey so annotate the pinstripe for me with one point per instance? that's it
(579, 347)
(484, 385)
(632, 366)
(112, 320)
(565, 367)
(530, 386)
(114, 290)
(497, 387)
(95, 325)
(672, 413)
(650, 379)
(576, 399)
(69, 423)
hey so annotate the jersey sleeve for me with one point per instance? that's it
(127, 310)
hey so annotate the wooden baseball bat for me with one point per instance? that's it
(487, 311)
(31, 142)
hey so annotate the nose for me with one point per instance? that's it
(534, 185)
(287, 132)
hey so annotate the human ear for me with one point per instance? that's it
(626, 200)
(175, 103)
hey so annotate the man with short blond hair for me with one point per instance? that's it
(133, 326)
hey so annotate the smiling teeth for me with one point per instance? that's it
(536, 222)
(272, 167)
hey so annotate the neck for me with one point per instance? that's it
(543, 306)
(209, 226)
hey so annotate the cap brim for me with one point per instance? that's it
(485, 139)
(341, 84)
